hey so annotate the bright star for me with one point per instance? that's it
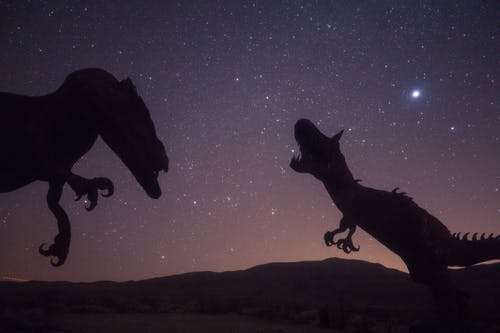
(415, 93)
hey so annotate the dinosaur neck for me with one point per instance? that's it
(340, 183)
(70, 123)
(76, 111)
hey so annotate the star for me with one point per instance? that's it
(415, 93)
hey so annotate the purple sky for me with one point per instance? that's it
(413, 83)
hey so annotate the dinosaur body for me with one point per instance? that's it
(38, 133)
(408, 230)
(42, 137)
(425, 244)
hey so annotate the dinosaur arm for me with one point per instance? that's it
(344, 244)
(329, 235)
(89, 187)
(56, 163)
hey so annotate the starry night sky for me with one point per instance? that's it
(413, 83)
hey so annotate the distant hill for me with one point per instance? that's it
(334, 284)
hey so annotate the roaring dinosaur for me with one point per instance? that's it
(425, 244)
(42, 137)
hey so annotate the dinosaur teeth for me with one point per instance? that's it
(297, 158)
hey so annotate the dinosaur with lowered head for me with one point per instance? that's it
(42, 137)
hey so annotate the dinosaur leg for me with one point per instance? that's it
(344, 244)
(61, 242)
(89, 187)
(451, 303)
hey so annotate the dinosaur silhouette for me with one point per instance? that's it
(425, 245)
(42, 137)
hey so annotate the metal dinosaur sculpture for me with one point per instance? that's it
(425, 245)
(42, 137)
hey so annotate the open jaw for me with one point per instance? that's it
(309, 158)
(303, 162)
(313, 148)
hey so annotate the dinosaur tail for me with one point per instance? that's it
(467, 252)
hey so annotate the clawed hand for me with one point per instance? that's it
(89, 187)
(329, 241)
(344, 244)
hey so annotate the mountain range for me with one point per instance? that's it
(271, 291)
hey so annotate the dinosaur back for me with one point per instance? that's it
(467, 252)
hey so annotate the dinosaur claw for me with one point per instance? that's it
(91, 188)
(346, 245)
(104, 184)
(107, 186)
(108, 193)
(328, 237)
(91, 206)
(92, 198)
(57, 263)
(42, 251)
(59, 249)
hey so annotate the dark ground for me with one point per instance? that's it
(342, 295)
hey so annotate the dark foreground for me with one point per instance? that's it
(337, 294)
(155, 323)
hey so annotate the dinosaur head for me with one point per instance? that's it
(318, 152)
(124, 123)
(131, 134)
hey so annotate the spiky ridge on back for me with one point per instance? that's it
(474, 237)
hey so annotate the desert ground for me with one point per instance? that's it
(156, 323)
